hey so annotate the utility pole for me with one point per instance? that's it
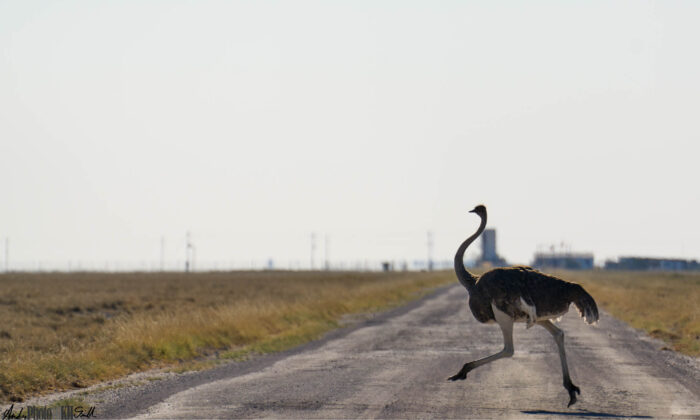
(430, 251)
(313, 248)
(327, 246)
(7, 255)
(162, 253)
(189, 254)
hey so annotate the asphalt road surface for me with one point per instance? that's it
(395, 366)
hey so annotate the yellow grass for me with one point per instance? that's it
(71, 330)
(664, 304)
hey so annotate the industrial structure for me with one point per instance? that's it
(647, 263)
(489, 256)
(564, 260)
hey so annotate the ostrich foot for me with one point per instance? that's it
(461, 375)
(458, 377)
(573, 390)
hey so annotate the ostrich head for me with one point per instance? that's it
(480, 210)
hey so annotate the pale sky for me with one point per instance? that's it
(252, 124)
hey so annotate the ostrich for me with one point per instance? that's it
(520, 294)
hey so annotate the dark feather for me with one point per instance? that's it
(505, 287)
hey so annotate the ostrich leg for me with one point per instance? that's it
(558, 335)
(506, 323)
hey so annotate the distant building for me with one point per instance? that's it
(489, 256)
(564, 260)
(657, 264)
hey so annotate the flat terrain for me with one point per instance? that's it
(396, 365)
(72, 330)
(664, 304)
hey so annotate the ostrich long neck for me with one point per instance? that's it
(465, 277)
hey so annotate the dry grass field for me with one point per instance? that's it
(63, 330)
(664, 304)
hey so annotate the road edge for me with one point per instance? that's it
(130, 401)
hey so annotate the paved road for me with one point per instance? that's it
(396, 367)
